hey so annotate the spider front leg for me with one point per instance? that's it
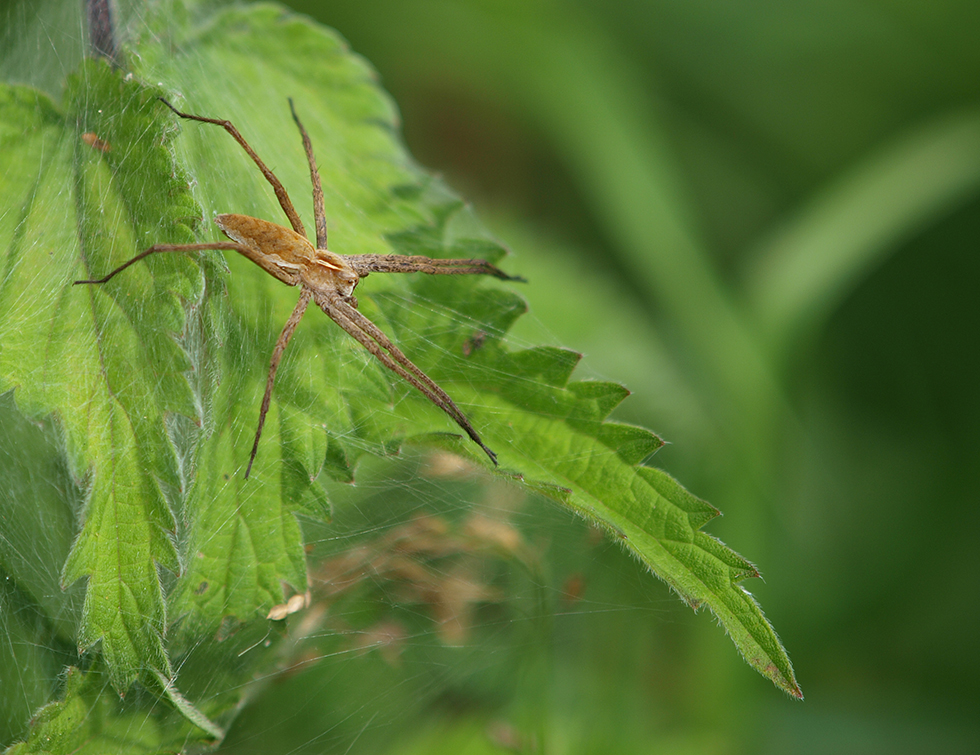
(284, 201)
(217, 246)
(364, 264)
(319, 212)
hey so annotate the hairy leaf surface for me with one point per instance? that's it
(156, 377)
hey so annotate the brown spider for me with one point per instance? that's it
(323, 276)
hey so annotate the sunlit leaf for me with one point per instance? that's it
(156, 376)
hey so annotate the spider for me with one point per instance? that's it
(321, 275)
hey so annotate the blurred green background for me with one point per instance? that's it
(763, 217)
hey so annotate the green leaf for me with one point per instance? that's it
(103, 362)
(156, 376)
(556, 434)
(87, 721)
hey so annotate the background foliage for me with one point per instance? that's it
(763, 220)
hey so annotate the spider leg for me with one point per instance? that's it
(398, 263)
(318, 209)
(287, 333)
(220, 245)
(376, 342)
(277, 187)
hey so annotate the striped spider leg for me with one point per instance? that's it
(322, 276)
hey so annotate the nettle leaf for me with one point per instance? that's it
(105, 361)
(554, 433)
(157, 376)
(86, 721)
